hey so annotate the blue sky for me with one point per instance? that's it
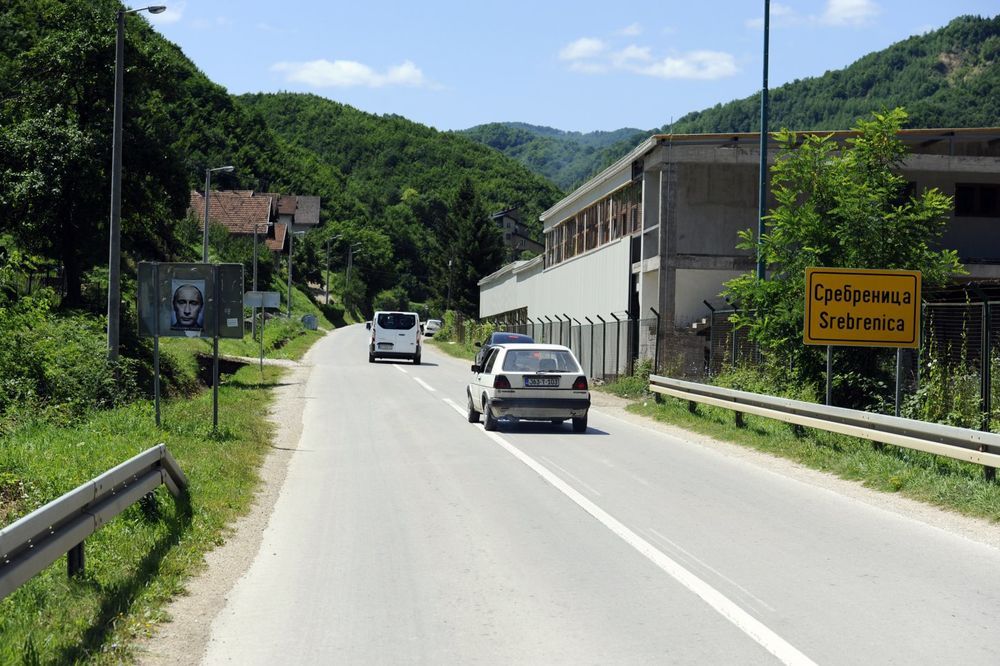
(580, 65)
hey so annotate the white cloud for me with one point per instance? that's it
(585, 47)
(630, 54)
(588, 67)
(631, 30)
(350, 74)
(850, 12)
(703, 65)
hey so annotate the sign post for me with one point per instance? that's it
(262, 300)
(857, 307)
(190, 300)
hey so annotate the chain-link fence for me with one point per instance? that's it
(951, 377)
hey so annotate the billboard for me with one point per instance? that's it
(190, 300)
(862, 307)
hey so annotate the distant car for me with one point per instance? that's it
(532, 382)
(431, 327)
(499, 338)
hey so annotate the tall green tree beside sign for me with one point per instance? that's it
(838, 206)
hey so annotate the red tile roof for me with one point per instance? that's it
(236, 211)
(277, 242)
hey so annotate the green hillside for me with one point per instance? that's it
(565, 158)
(385, 182)
(943, 79)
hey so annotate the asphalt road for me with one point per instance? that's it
(404, 534)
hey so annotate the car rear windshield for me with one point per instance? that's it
(540, 360)
(397, 321)
(504, 338)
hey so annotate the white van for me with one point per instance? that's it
(394, 335)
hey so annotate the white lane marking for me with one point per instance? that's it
(400, 368)
(455, 406)
(718, 573)
(565, 471)
(425, 384)
(745, 622)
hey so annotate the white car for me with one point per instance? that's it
(431, 327)
(533, 382)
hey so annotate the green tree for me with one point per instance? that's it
(838, 206)
(475, 249)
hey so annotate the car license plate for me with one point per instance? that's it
(541, 381)
(385, 345)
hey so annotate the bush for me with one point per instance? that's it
(58, 364)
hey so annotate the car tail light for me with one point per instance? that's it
(501, 382)
(580, 384)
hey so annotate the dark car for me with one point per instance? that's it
(500, 338)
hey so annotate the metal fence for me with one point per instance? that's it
(607, 346)
(959, 352)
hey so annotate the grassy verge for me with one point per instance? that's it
(141, 559)
(942, 482)
(138, 561)
(456, 349)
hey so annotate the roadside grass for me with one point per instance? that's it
(138, 561)
(949, 484)
(456, 349)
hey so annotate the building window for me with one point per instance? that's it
(977, 200)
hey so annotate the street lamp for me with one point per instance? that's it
(208, 184)
(350, 264)
(762, 194)
(291, 243)
(114, 252)
(337, 237)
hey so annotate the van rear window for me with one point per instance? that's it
(397, 321)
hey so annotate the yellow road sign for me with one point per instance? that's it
(862, 308)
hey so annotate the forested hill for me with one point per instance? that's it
(383, 157)
(946, 78)
(565, 158)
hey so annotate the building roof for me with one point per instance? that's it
(923, 139)
(277, 243)
(307, 211)
(236, 211)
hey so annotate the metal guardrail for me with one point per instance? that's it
(975, 446)
(30, 544)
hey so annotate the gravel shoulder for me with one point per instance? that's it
(187, 633)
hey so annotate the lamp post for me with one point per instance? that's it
(447, 306)
(350, 264)
(337, 237)
(114, 227)
(762, 194)
(291, 245)
(208, 184)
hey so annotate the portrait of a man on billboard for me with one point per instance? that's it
(187, 312)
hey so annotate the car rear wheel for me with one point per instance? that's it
(473, 415)
(416, 360)
(580, 424)
(490, 422)
(371, 357)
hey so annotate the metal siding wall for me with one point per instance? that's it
(595, 283)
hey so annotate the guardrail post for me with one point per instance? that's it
(740, 423)
(75, 560)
